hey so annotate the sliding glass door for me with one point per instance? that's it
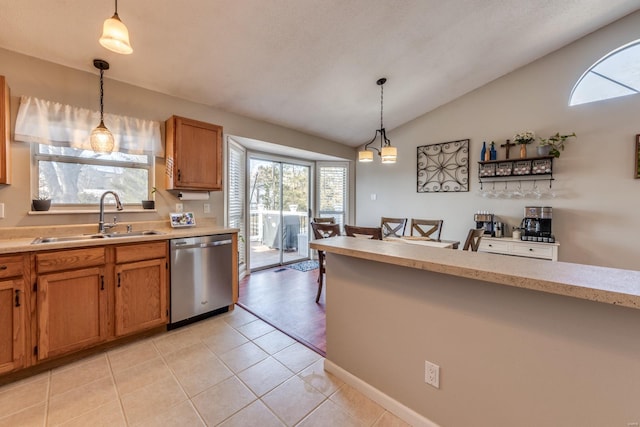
(279, 194)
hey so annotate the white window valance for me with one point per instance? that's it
(52, 123)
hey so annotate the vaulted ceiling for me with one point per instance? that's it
(310, 65)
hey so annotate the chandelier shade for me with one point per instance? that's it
(115, 35)
(387, 152)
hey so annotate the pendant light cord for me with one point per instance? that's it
(101, 95)
(381, 104)
(116, 7)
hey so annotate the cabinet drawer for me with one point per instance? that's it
(70, 259)
(533, 251)
(141, 251)
(11, 266)
(493, 246)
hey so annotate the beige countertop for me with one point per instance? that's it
(601, 284)
(18, 239)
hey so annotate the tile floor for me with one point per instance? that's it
(230, 370)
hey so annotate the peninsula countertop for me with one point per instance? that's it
(19, 239)
(601, 284)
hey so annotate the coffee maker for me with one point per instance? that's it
(536, 224)
(485, 220)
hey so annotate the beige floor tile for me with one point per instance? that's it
(239, 317)
(297, 357)
(23, 394)
(293, 400)
(207, 327)
(389, 420)
(330, 414)
(148, 401)
(224, 339)
(357, 404)
(240, 358)
(181, 415)
(81, 400)
(274, 341)
(78, 374)
(320, 379)
(223, 400)
(139, 376)
(265, 376)
(197, 368)
(109, 415)
(255, 414)
(255, 329)
(131, 355)
(175, 340)
(29, 417)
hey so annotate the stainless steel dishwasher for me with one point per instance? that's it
(201, 277)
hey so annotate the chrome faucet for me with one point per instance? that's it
(102, 227)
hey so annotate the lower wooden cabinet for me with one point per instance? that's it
(141, 296)
(14, 304)
(12, 325)
(71, 311)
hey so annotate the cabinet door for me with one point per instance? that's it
(194, 154)
(72, 311)
(5, 150)
(12, 324)
(141, 296)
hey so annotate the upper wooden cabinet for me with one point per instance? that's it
(194, 155)
(5, 125)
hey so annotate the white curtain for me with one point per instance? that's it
(52, 123)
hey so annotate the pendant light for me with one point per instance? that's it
(388, 153)
(101, 139)
(115, 35)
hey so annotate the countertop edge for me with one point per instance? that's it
(599, 284)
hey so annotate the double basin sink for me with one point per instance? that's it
(39, 240)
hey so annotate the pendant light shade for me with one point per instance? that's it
(388, 153)
(101, 139)
(115, 35)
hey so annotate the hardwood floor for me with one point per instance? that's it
(285, 298)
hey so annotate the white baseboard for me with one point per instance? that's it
(408, 415)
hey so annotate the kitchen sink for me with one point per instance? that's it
(39, 240)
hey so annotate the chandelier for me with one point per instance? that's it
(386, 151)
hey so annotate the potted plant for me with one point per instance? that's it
(554, 144)
(523, 139)
(41, 203)
(150, 204)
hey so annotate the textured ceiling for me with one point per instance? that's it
(309, 65)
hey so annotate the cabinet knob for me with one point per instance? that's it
(530, 249)
(490, 245)
(3, 267)
(17, 297)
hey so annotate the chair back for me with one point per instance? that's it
(393, 227)
(431, 228)
(374, 233)
(323, 230)
(329, 220)
(473, 239)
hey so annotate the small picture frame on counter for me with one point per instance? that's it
(182, 219)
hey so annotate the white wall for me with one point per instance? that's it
(595, 218)
(31, 76)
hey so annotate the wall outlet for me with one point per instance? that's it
(179, 207)
(432, 374)
(207, 208)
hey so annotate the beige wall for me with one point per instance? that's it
(507, 356)
(596, 213)
(30, 76)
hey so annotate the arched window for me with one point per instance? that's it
(615, 74)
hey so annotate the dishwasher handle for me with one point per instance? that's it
(185, 245)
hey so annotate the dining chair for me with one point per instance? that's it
(322, 230)
(393, 227)
(373, 233)
(473, 239)
(431, 228)
(328, 220)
